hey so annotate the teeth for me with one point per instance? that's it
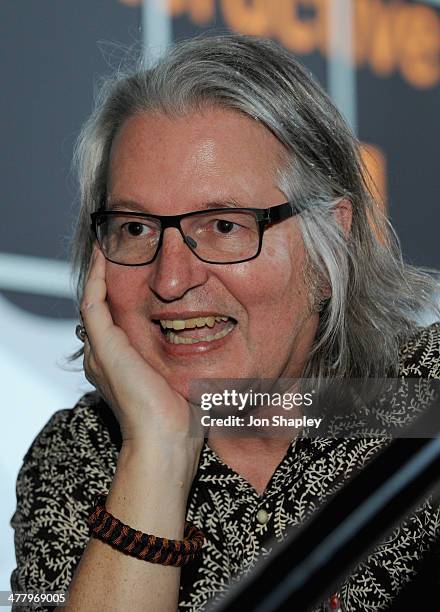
(175, 339)
(179, 324)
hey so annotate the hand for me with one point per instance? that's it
(149, 411)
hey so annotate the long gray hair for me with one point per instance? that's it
(377, 301)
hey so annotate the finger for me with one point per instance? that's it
(95, 272)
(92, 259)
(89, 363)
(94, 309)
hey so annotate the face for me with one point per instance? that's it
(169, 166)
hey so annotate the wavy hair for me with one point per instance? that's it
(377, 301)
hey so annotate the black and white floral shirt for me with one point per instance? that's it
(74, 458)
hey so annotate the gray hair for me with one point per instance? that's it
(376, 300)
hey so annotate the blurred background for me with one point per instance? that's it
(378, 59)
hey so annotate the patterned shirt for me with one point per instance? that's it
(74, 458)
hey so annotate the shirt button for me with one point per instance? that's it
(262, 516)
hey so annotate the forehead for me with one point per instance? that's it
(216, 153)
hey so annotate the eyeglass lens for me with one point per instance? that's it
(218, 237)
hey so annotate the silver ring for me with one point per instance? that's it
(80, 332)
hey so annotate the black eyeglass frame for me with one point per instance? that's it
(265, 217)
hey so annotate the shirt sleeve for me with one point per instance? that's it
(56, 488)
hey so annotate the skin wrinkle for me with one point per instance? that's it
(217, 155)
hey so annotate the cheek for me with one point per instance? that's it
(125, 287)
(273, 285)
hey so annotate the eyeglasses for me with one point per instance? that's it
(216, 236)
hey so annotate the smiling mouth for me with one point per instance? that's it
(198, 329)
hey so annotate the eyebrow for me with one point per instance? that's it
(134, 206)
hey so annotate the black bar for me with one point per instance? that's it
(303, 569)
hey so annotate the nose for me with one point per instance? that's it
(176, 269)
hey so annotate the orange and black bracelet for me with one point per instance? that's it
(111, 530)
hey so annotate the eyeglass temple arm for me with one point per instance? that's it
(281, 212)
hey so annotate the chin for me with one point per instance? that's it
(185, 384)
(181, 386)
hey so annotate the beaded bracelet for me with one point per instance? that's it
(111, 530)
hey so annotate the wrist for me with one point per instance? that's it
(165, 467)
(144, 546)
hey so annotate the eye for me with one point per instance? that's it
(134, 228)
(223, 226)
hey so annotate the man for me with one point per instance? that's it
(232, 236)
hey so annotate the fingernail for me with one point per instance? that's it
(88, 306)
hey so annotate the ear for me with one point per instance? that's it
(343, 212)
